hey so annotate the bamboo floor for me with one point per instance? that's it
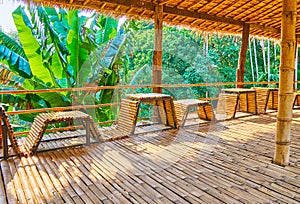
(224, 162)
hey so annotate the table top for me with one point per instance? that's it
(238, 90)
(191, 101)
(148, 96)
(267, 88)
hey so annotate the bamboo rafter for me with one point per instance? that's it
(219, 16)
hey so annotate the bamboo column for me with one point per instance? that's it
(157, 53)
(286, 73)
(240, 72)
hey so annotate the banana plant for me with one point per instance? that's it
(57, 50)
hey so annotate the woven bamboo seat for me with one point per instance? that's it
(226, 108)
(126, 122)
(182, 108)
(38, 128)
(164, 105)
(297, 98)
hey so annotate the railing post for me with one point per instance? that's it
(88, 132)
(4, 136)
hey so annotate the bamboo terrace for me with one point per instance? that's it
(228, 161)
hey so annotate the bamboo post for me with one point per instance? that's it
(240, 72)
(286, 73)
(157, 53)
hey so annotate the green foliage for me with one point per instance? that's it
(14, 55)
(56, 48)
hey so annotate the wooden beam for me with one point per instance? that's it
(157, 53)
(264, 28)
(286, 73)
(240, 72)
(186, 13)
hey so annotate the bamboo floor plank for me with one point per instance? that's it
(228, 161)
(153, 183)
(113, 191)
(59, 182)
(116, 198)
(10, 189)
(130, 191)
(73, 179)
(178, 176)
(144, 186)
(2, 189)
(21, 177)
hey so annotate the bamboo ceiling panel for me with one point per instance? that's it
(225, 16)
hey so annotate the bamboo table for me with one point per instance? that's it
(246, 99)
(164, 102)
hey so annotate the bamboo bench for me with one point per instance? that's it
(183, 107)
(38, 128)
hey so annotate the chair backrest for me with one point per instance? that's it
(128, 116)
(9, 131)
(261, 99)
(226, 106)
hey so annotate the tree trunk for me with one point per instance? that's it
(262, 44)
(275, 54)
(251, 62)
(286, 96)
(240, 72)
(255, 58)
(296, 68)
(157, 53)
(269, 63)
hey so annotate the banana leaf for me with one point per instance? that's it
(31, 46)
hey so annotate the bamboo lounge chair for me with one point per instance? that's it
(226, 107)
(182, 107)
(38, 128)
(126, 122)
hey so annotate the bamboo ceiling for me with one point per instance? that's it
(226, 16)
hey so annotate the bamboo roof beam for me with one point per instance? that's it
(187, 13)
(286, 72)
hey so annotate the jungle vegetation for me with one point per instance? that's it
(58, 48)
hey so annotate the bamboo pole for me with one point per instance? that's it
(240, 72)
(286, 96)
(157, 53)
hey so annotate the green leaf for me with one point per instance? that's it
(31, 46)
(14, 54)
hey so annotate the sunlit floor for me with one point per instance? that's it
(220, 162)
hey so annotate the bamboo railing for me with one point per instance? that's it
(98, 88)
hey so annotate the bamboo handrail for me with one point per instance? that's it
(39, 110)
(97, 88)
